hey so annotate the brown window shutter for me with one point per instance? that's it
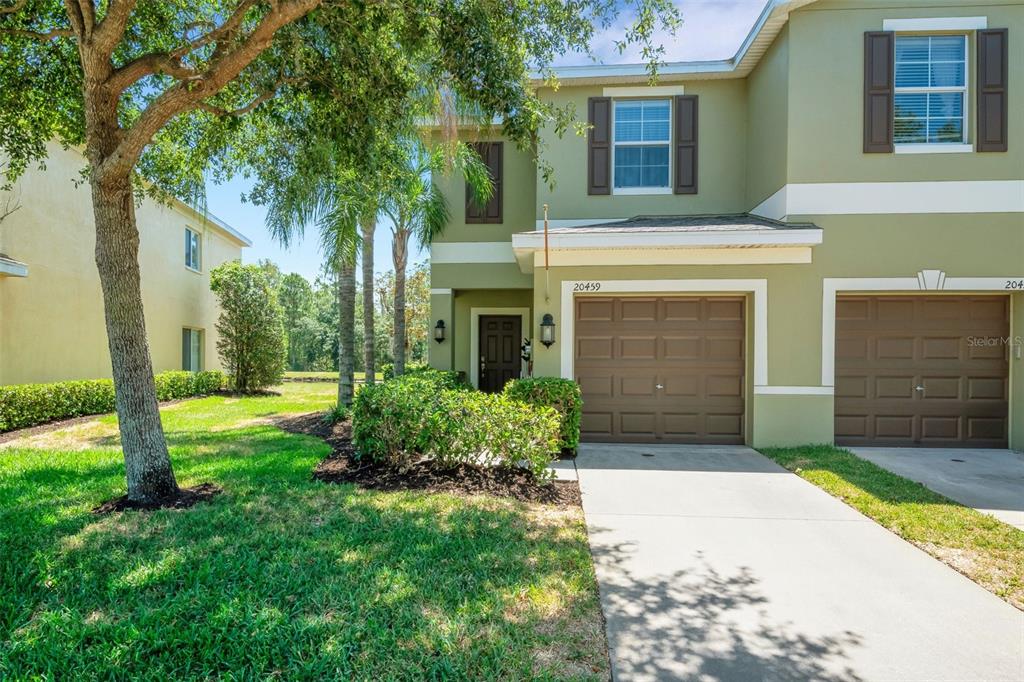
(993, 83)
(491, 154)
(599, 137)
(879, 58)
(685, 157)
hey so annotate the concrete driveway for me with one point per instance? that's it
(716, 564)
(991, 481)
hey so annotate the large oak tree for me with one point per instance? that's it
(163, 95)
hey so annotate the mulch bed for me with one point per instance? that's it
(185, 498)
(464, 479)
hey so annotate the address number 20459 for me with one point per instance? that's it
(586, 286)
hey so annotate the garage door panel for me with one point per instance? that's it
(639, 310)
(692, 347)
(964, 396)
(638, 347)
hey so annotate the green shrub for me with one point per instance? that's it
(25, 405)
(387, 370)
(561, 394)
(396, 421)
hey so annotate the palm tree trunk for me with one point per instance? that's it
(369, 226)
(400, 256)
(146, 461)
(346, 330)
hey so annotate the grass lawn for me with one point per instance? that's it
(989, 552)
(280, 575)
(327, 376)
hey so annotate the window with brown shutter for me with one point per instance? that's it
(599, 162)
(992, 90)
(685, 144)
(491, 154)
(879, 55)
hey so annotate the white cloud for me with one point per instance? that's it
(711, 29)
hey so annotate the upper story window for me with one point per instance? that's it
(931, 89)
(193, 249)
(641, 139)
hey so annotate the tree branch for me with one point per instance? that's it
(36, 35)
(242, 111)
(187, 95)
(16, 7)
(148, 65)
(111, 28)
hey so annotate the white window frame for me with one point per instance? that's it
(636, 191)
(965, 145)
(199, 250)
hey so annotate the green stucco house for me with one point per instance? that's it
(819, 240)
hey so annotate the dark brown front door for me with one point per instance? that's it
(922, 371)
(499, 351)
(661, 369)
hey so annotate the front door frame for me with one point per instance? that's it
(474, 337)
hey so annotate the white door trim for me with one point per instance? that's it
(926, 280)
(757, 287)
(474, 336)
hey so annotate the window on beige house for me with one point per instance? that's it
(193, 249)
(192, 350)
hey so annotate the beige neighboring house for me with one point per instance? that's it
(51, 307)
(818, 240)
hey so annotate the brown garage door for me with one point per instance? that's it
(661, 369)
(930, 371)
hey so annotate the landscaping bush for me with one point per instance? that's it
(25, 405)
(561, 394)
(397, 420)
(387, 370)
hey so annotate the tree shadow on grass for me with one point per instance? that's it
(699, 623)
(285, 576)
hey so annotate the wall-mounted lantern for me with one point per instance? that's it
(439, 331)
(547, 330)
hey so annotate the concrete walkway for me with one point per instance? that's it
(716, 564)
(991, 481)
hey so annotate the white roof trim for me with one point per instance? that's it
(12, 268)
(761, 35)
(707, 239)
(207, 218)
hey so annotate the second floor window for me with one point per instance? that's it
(642, 138)
(931, 89)
(192, 249)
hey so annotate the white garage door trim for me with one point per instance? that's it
(757, 287)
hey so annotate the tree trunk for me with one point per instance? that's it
(346, 330)
(147, 464)
(369, 347)
(400, 254)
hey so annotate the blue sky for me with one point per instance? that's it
(712, 29)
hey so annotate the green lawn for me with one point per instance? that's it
(986, 550)
(327, 376)
(280, 576)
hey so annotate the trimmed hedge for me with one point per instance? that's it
(387, 370)
(421, 414)
(25, 405)
(561, 394)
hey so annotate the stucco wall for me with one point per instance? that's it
(53, 327)
(826, 54)
(721, 165)
(768, 122)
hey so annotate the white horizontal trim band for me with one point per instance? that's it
(643, 91)
(471, 252)
(527, 241)
(934, 148)
(864, 198)
(440, 292)
(794, 390)
(936, 24)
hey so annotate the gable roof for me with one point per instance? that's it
(764, 31)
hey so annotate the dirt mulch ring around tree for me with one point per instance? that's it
(464, 479)
(186, 497)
